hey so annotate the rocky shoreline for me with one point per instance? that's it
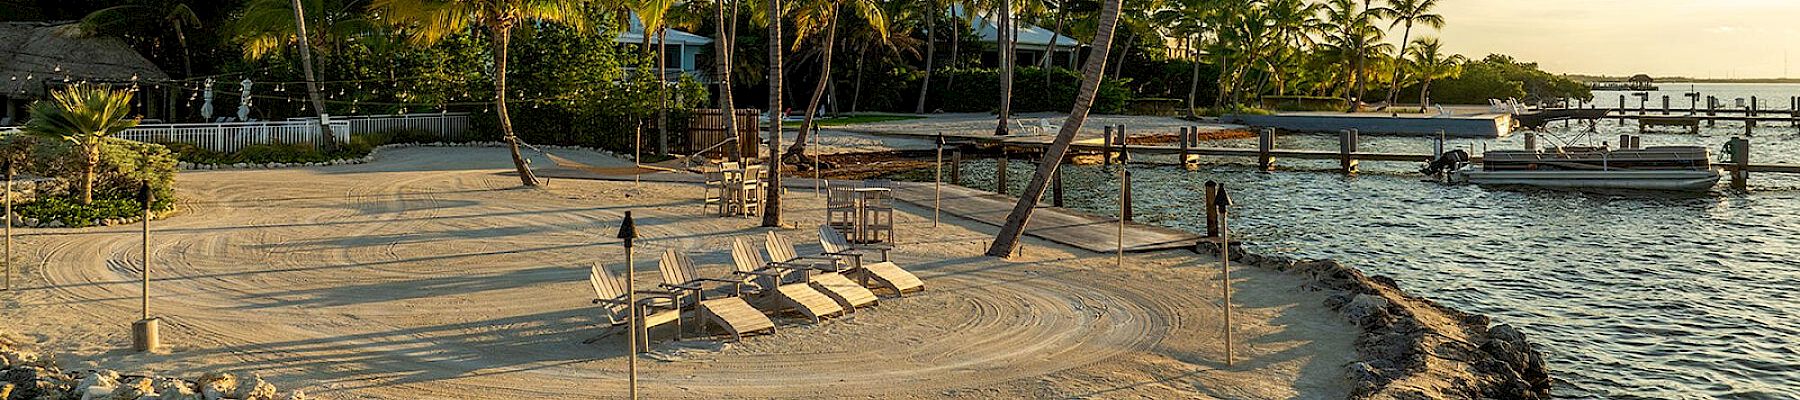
(1410, 347)
(26, 375)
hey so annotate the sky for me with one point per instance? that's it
(1692, 38)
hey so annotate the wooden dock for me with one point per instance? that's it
(1060, 225)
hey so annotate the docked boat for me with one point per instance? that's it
(1658, 168)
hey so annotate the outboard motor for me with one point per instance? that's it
(1449, 161)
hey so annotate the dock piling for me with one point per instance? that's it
(1346, 151)
(1186, 144)
(1212, 214)
(956, 166)
(1530, 140)
(1665, 109)
(1739, 151)
(1000, 172)
(1106, 145)
(1264, 144)
(1056, 186)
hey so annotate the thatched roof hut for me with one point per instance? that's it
(37, 50)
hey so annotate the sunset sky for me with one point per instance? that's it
(1697, 38)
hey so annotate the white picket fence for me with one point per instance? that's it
(231, 136)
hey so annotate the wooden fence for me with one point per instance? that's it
(708, 130)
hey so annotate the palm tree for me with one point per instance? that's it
(85, 115)
(266, 27)
(772, 210)
(809, 19)
(1006, 242)
(1007, 39)
(651, 14)
(930, 14)
(1409, 12)
(1353, 37)
(173, 13)
(428, 21)
(1429, 64)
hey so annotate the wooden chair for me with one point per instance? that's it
(718, 188)
(885, 273)
(731, 313)
(840, 208)
(825, 274)
(765, 279)
(654, 308)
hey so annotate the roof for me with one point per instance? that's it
(635, 34)
(1029, 35)
(37, 50)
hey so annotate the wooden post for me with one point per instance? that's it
(145, 335)
(1185, 146)
(1740, 157)
(1530, 140)
(1125, 189)
(9, 222)
(956, 166)
(1056, 186)
(1665, 109)
(1712, 109)
(1222, 202)
(1106, 145)
(1000, 172)
(1264, 144)
(1347, 150)
(1124, 183)
(1621, 109)
(1752, 106)
(937, 183)
(1212, 213)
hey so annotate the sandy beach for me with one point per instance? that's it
(429, 274)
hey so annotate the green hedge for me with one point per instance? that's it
(124, 167)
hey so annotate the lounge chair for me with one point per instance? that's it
(731, 313)
(823, 272)
(765, 278)
(885, 273)
(655, 308)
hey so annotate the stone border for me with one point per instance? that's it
(1410, 347)
(26, 375)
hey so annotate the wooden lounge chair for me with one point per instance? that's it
(885, 273)
(731, 313)
(654, 308)
(764, 278)
(824, 273)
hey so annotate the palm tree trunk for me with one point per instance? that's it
(798, 149)
(1062, 14)
(329, 142)
(856, 90)
(930, 54)
(726, 107)
(662, 91)
(1394, 90)
(772, 197)
(955, 48)
(1194, 82)
(503, 39)
(87, 172)
(1425, 95)
(187, 60)
(1120, 68)
(1006, 71)
(1006, 243)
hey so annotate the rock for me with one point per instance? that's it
(31, 382)
(215, 386)
(295, 395)
(55, 223)
(1509, 345)
(11, 358)
(1367, 311)
(1337, 301)
(133, 389)
(255, 388)
(105, 377)
(175, 389)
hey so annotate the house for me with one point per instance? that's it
(37, 57)
(1034, 41)
(681, 48)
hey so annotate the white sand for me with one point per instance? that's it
(428, 274)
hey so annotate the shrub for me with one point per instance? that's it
(288, 153)
(124, 167)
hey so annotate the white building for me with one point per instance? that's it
(679, 56)
(1034, 41)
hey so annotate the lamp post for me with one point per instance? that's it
(628, 232)
(1222, 203)
(937, 183)
(144, 335)
(9, 222)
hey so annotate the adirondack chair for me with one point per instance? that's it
(825, 274)
(765, 279)
(731, 313)
(886, 274)
(654, 308)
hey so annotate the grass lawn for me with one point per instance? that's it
(853, 119)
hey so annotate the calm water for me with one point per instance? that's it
(1630, 295)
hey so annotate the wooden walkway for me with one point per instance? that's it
(1063, 226)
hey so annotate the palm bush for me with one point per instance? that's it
(85, 115)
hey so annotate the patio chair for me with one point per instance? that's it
(654, 307)
(824, 273)
(765, 279)
(885, 273)
(731, 313)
